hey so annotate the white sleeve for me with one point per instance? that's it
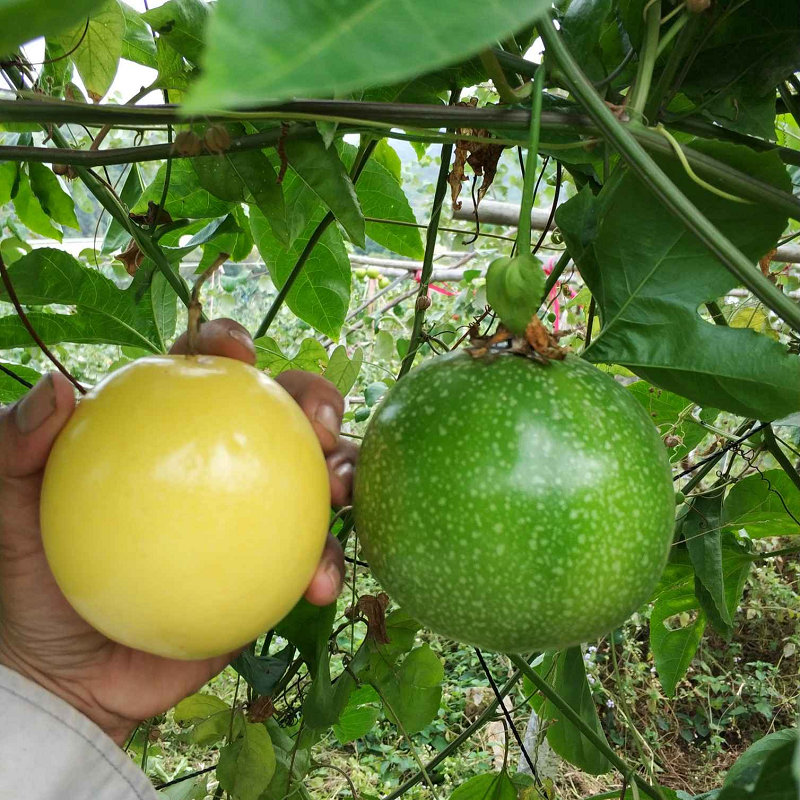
(50, 751)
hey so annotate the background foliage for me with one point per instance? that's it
(300, 146)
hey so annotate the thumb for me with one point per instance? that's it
(29, 428)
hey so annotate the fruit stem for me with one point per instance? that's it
(196, 308)
(524, 227)
(588, 733)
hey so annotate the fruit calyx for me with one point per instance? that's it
(195, 308)
(536, 343)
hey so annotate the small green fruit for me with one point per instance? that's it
(373, 272)
(361, 413)
(551, 317)
(514, 288)
(383, 281)
(360, 272)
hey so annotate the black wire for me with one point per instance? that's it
(716, 456)
(612, 76)
(507, 715)
(15, 376)
(552, 210)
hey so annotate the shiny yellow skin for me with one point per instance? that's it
(185, 505)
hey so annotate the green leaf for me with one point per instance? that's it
(216, 727)
(264, 671)
(401, 630)
(187, 790)
(756, 503)
(97, 56)
(164, 302)
(701, 532)
(207, 233)
(9, 178)
(11, 390)
(752, 760)
(755, 46)
(199, 706)
(30, 212)
(648, 307)
(382, 197)
(308, 627)
(12, 248)
(238, 245)
(310, 50)
(358, 716)
(116, 236)
(671, 414)
(185, 197)
(301, 202)
(311, 356)
(137, 43)
(343, 371)
(411, 693)
(181, 24)
(745, 110)
(57, 70)
(246, 766)
(721, 564)
(172, 69)
(385, 155)
(769, 775)
(384, 346)
(24, 20)
(571, 684)
(321, 294)
(581, 27)
(289, 759)
(322, 171)
(104, 312)
(489, 786)
(675, 641)
(55, 202)
(246, 177)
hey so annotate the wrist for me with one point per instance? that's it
(117, 728)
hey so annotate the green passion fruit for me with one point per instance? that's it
(511, 505)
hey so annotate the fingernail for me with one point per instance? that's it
(344, 471)
(334, 576)
(243, 339)
(329, 419)
(36, 406)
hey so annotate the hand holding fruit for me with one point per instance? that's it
(41, 636)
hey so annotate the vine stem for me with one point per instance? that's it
(528, 191)
(196, 309)
(273, 310)
(788, 551)
(445, 752)
(780, 456)
(14, 376)
(662, 187)
(360, 162)
(674, 61)
(566, 709)
(430, 247)
(495, 71)
(109, 201)
(385, 700)
(12, 296)
(647, 61)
